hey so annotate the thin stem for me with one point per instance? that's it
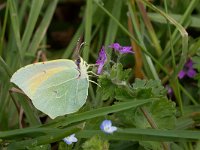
(137, 50)
(153, 125)
(150, 28)
(5, 66)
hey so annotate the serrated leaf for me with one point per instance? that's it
(111, 83)
(161, 111)
(148, 88)
(107, 87)
(123, 94)
(118, 73)
(95, 143)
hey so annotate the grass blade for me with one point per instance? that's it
(88, 28)
(145, 135)
(36, 6)
(98, 112)
(41, 31)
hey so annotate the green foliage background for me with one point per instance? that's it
(163, 34)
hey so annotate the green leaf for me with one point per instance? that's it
(97, 112)
(124, 94)
(110, 83)
(151, 145)
(35, 10)
(41, 30)
(15, 25)
(162, 112)
(41, 147)
(196, 60)
(107, 87)
(96, 143)
(148, 88)
(118, 74)
(136, 134)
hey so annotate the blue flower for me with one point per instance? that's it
(121, 49)
(101, 60)
(70, 139)
(106, 126)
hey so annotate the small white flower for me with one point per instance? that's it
(70, 139)
(106, 126)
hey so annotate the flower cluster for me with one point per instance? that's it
(103, 57)
(121, 49)
(188, 70)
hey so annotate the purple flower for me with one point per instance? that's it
(121, 49)
(169, 90)
(106, 126)
(101, 60)
(70, 139)
(187, 70)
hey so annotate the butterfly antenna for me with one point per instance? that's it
(79, 44)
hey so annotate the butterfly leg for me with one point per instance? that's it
(91, 65)
(94, 83)
(92, 73)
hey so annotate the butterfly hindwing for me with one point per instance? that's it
(55, 87)
(65, 97)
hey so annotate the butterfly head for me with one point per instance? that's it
(82, 67)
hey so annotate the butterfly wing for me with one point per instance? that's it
(54, 87)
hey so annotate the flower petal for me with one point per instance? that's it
(191, 73)
(189, 63)
(70, 139)
(112, 129)
(99, 69)
(105, 123)
(126, 49)
(73, 138)
(116, 46)
(169, 90)
(101, 60)
(67, 141)
(181, 74)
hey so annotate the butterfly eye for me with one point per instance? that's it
(78, 61)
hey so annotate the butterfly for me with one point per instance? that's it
(56, 87)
